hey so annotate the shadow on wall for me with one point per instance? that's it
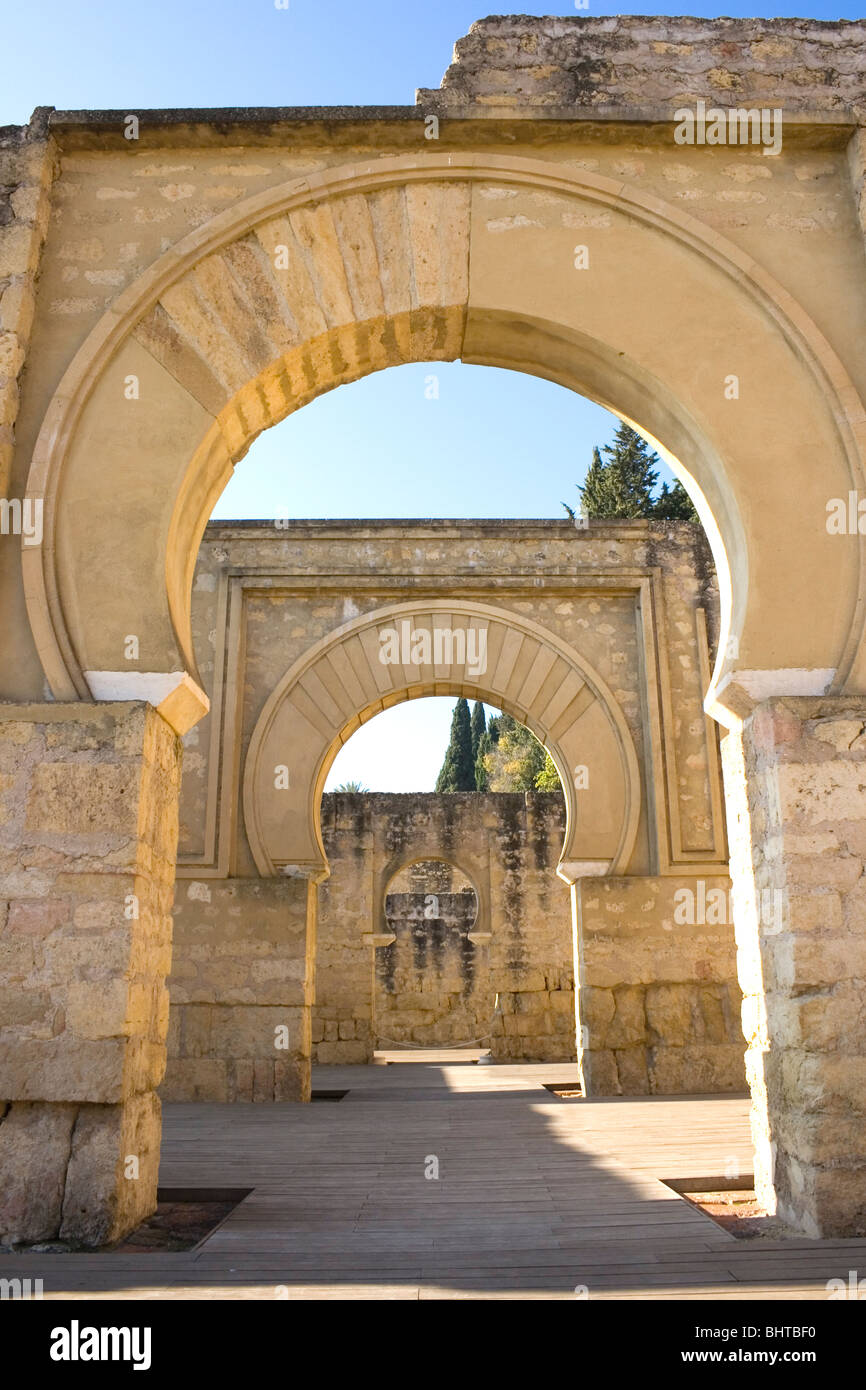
(436, 906)
(432, 981)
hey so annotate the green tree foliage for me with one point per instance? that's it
(478, 726)
(548, 778)
(508, 758)
(514, 760)
(353, 787)
(457, 773)
(486, 744)
(674, 504)
(621, 484)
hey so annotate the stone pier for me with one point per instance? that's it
(241, 990)
(795, 779)
(88, 834)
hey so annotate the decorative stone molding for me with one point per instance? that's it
(342, 682)
(181, 327)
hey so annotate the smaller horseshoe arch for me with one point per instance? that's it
(424, 855)
(434, 943)
(493, 655)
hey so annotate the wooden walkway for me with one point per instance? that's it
(536, 1197)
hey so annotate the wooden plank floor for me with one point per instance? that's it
(536, 1197)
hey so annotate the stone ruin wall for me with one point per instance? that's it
(507, 845)
(617, 61)
(658, 1006)
(658, 1000)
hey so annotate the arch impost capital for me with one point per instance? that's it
(737, 694)
(570, 871)
(174, 694)
(378, 938)
(313, 872)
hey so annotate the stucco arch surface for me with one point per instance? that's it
(342, 682)
(325, 279)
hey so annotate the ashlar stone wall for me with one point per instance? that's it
(241, 989)
(88, 838)
(375, 988)
(638, 61)
(795, 777)
(656, 1011)
(658, 1001)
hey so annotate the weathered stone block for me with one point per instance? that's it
(196, 1078)
(697, 1069)
(84, 799)
(113, 1167)
(632, 1074)
(35, 1145)
(343, 1053)
(669, 1012)
(824, 1201)
(600, 1072)
(100, 1009)
(820, 910)
(37, 917)
(628, 1025)
(22, 1006)
(63, 1069)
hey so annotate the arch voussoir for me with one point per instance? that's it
(350, 676)
(419, 253)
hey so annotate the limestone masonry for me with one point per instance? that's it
(621, 61)
(634, 599)
(172, 283)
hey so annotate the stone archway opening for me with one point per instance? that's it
(639, 818)
(290, 293)
(412, 254)
(442, 923)
(431, 981)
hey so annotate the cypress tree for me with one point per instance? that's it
(457, 773)
(486, 744)
(478, 727)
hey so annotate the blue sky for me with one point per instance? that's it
(488, 443)
(398, 751)
(431, 439)
(101, 53)
(384, 446)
